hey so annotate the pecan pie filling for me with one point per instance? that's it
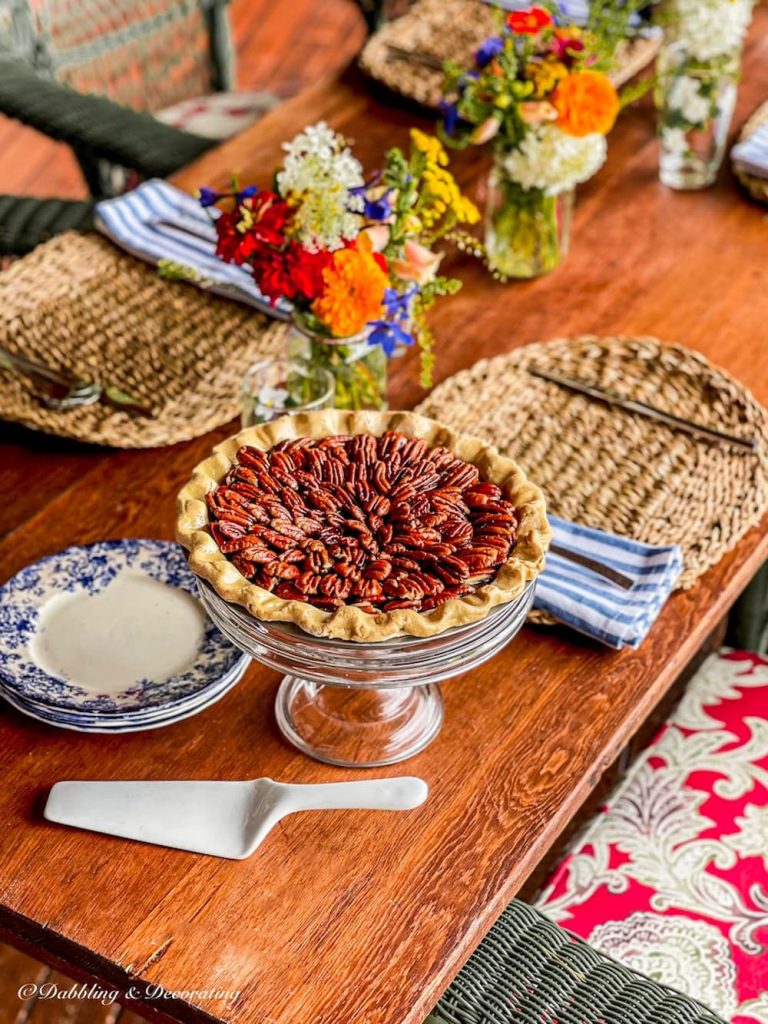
(381, 523)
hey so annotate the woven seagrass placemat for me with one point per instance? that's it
(79, 304)
(756, 187)
(615, 470)
(440, 30)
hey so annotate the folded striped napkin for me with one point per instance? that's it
(591, 604)
(751, 155)
(158, 221)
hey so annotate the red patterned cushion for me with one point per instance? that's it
(671, 878)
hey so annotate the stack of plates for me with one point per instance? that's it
(111, 638)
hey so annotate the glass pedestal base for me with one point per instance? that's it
(364, 704)
(358, 727)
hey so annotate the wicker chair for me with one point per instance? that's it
(529, 970)
(57, 57)
(26, 222)
(170, 58)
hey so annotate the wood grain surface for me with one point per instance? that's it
(358, 917)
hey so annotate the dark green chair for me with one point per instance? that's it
(26, 222)
(529, 970)
(748, 621)
(97, 128)
(62, 64)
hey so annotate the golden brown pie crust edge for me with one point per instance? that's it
(347, 622)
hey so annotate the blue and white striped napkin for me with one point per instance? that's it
(158, 221)
(593, 605)
(751, 155)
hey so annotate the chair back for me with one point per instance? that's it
(144, 54)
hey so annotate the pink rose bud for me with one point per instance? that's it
(537, 112)
(374, 238)
(418, 264)
(485, 131)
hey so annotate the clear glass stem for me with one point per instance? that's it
(358, 727)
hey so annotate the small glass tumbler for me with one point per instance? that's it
(695, 102)
(278, 387)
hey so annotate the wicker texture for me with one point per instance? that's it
(95, 125)
(756, 187)
(529, 970)
(26, 222)
(453, 30)
(615, 470)
(144, 54)
(81, 305)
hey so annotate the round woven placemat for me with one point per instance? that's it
(756, 187)
(79, 304)
(441, 30)
(615, 470)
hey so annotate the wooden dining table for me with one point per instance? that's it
(356, 917)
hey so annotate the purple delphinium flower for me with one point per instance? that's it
(208, 196)
(398, 304)
(378, 209)
(389, 331)
(389, 335)
(372, 209)
(450, 112)
(488, 50)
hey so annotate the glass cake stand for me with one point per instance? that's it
(364, 704)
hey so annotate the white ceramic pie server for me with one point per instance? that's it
(223, 819)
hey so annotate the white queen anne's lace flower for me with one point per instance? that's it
(709, 29)
(553, 161)
(317, 174)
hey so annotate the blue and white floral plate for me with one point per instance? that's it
(129, 723)
(126, 619)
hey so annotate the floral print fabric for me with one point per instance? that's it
(671, 878)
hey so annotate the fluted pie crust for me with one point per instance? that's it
(193, 529)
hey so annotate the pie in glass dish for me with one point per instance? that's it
(362, 525)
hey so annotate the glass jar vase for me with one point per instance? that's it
(694, 102)
(358, 368)
(527, 231)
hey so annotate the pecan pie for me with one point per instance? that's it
(363, 525)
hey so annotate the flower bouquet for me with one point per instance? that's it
(354, 255)
(536, 90)
(696, 89)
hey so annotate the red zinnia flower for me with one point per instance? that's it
(529, 22)
(266, 216)
(564, 46)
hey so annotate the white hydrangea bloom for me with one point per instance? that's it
(317, 174)
(551, 160)
(710, 28)
(685, 95)
(675, 140)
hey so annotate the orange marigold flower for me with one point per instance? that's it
(586, 102)
(530, 22)
(353, 293)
